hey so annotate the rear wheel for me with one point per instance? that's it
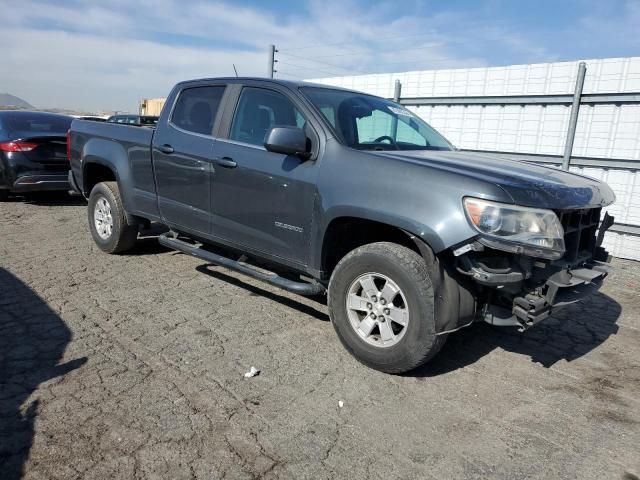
(4, 194)
(382, 306)
(107, 219)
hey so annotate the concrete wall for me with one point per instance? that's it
(605, 131)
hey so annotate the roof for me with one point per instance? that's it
(18, 113)
(287, 83)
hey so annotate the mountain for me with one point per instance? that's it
(7, 100)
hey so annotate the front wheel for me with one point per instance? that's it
(382, 306)
(107, 220)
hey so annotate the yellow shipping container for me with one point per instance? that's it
(151, 106)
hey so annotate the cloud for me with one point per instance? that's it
(613, 24)
(93, 56)
(77, 70)
(84, 55)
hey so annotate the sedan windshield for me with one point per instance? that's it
(366, 122)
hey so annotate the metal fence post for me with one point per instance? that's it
(396, 91)
(573, 119)
(396, 98)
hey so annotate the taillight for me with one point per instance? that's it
(69, 144)
(17, 146)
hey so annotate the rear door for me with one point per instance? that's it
(182, 156)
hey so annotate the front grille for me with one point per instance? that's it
(580, 228)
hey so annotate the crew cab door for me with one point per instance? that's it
(262, 200)
(183, 149)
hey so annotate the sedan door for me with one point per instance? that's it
(182, 156)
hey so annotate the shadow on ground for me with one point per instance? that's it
(283, 300)
(50, 199)
(571, 333)
(32, 342)
(147, 243)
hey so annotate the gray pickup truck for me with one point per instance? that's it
(316, 189)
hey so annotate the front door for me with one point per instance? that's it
(182, 156)
(260, 199)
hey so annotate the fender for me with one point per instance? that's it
(112, 155)
(428, 234)
(455, 298)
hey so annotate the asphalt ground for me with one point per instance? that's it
(133, 366)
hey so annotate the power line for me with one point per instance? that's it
(370, 52)
(290, 74)
(323, 63)
(313, 69)
(351, 42)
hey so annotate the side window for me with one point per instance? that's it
(259, 110)
(196, 109)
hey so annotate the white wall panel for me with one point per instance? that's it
(608, 131)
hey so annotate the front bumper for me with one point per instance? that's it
(38, 183)
(563, 288)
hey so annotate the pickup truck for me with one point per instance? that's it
(316, 189)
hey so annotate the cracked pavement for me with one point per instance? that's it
(132, 367)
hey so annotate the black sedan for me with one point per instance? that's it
(33, 152)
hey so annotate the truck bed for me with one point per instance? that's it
(125, 149)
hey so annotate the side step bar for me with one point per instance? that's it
(301, 288)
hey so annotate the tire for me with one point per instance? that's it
(105, 202)
(4, 195)
(411, 345)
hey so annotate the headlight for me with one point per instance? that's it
(531, 231)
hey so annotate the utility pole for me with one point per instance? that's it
(271, 60)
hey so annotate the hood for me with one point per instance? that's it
(527, 183)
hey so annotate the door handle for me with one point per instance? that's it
(166, 148)
(226, 162)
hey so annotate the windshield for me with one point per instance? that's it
(366, 122)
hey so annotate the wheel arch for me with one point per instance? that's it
(455, 297)
(353, 229)
(103, 161)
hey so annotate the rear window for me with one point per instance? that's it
(196, 109)
(36, 122)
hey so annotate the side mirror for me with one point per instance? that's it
(287, 140)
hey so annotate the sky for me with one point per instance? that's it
(105, 56)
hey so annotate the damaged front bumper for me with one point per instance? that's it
(521, 291)
(563, 288)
